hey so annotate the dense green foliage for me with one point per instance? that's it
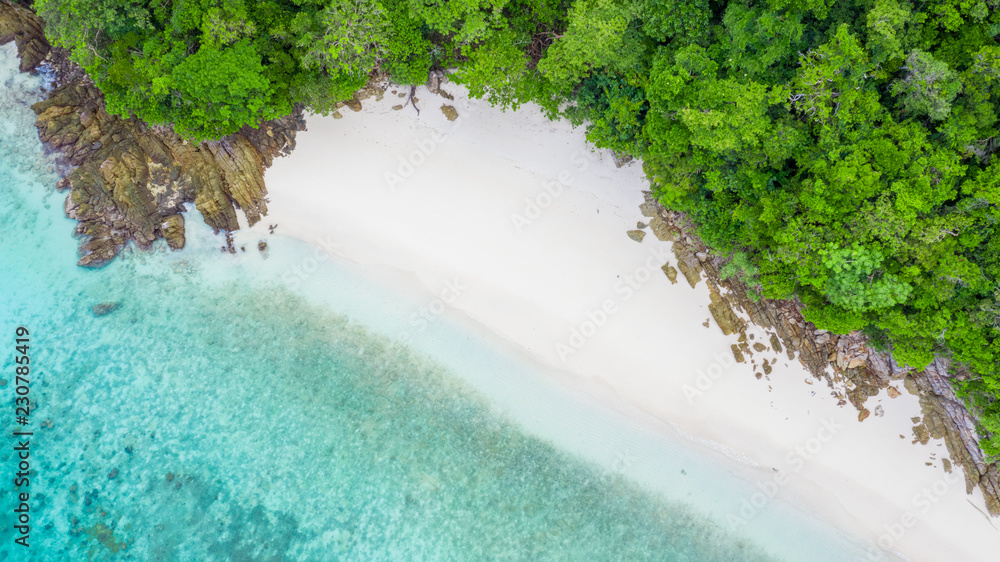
(843, 151)
(210, 67)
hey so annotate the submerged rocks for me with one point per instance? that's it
(636, 235)
(131, 181)
(104, 308)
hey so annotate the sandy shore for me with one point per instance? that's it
(514, 222)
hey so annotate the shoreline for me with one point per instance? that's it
(449, 218)
(595, 325)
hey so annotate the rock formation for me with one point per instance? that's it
(852, 363)
(131, 181)
(24, 28)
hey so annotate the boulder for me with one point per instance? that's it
(173, 231)
(671, 272)
(636, 235)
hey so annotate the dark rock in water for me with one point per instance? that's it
(104, 308)
(131, 180)
(172, 230)
(262, 246)
(24, 28)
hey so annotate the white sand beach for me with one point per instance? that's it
(514, 223)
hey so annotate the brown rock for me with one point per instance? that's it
(687, 263)
(449, 112)
(863, 415)
(648, 209)
(173, 231)
(738, 354)
(130, 181)
(636, 235)
(661, 229)
(724, 315)
(671, 272)
(856, 362)
(776, 343)
(24, 28)
(893, 393)
(434, 80)
(759, 347)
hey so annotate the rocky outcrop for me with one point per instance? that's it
(845, 362)
(946, 417)
(24, 28)
(130, 181)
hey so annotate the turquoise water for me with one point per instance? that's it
(214, 415)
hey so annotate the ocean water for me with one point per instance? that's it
(220, 412)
